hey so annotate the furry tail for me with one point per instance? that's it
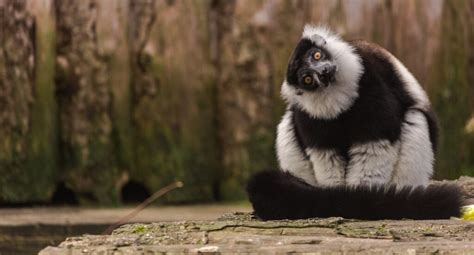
(279, 195)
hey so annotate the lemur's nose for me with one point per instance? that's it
(329, 71)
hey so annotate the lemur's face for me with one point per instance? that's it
(323, 74)
(311, 67)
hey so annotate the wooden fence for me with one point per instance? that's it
(99, 96)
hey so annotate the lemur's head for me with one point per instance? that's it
(323, 74)
(311, 66)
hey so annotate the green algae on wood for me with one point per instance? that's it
(171, 110)
(83, 91)
(28, 111)
(452, 95)
(43, 138)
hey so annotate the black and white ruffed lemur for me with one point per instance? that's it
(357, 140)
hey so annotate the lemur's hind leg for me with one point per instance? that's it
(415, 163)
(372, 163)
(328, 166)
(291, 157)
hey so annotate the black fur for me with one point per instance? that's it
(279, 195)
(375, 59)
(296, 58)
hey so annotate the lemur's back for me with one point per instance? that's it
(407, 92)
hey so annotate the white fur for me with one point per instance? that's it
(331, 101)
(415, 162)
(371, 163)
(328, 167)
(341, 94)
(290, 156)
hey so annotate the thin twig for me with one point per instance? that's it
(143, 205)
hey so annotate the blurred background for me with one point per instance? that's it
(103, 102)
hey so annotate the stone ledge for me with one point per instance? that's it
(240, 232)
(28, 230)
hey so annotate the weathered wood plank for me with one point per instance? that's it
(27, 106)
(172, 97)
(85, 104)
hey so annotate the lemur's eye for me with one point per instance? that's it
(308, 80)
(317, 55)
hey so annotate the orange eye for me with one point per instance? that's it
(308, 80)
(317, 55)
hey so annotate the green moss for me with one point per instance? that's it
(139, 229)
(258, 153)
(30, 175)
(119, 70)
(175, 142)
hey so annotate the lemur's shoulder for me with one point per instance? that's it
(378, 60)
(369, 49)
(375, 57)
(384, 73)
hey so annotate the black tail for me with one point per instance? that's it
(279, 195)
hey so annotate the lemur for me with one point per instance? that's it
(357, 140)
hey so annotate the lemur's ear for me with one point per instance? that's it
(318, 40)
(295, 60)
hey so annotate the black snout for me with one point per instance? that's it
(327, 73)
(316, 75)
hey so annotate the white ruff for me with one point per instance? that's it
(372, 163)
(415, 162)
(328, 167)
(328, 103)
(290, 156)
